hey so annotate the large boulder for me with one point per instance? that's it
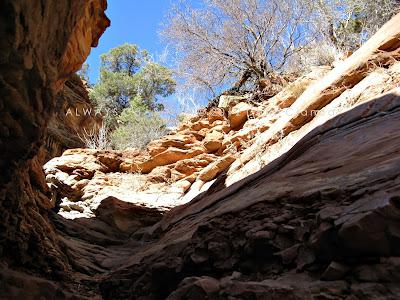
(169, 156)
(216, 168)
(239, 114)
(213, 141)
(228, 101)
(125, 216)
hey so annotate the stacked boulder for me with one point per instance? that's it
(196, 153)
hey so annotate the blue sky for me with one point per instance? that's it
(132, 21)
(136, 22)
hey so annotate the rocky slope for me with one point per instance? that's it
(296, 197)
(176, 168)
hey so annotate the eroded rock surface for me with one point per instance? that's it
(306, 226)
(318, 218)
(42, 44)
(75, 118)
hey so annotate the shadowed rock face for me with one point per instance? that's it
(74, 118)
(42, 44)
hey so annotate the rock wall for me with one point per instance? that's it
(42, 44)
(298, 204)
(75, 118)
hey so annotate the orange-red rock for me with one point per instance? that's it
(239, 115)
(213, 141)
(215, 168)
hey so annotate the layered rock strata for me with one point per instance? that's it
(43, 43)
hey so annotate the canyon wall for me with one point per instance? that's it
(42, 44)
(74, 119)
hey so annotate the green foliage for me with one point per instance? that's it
(129, 79)
(113, 93)
(126, 58)
(137, 127)
(152, 81)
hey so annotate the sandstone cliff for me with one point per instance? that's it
(74, 118)
(42, 44)
(296, 197)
